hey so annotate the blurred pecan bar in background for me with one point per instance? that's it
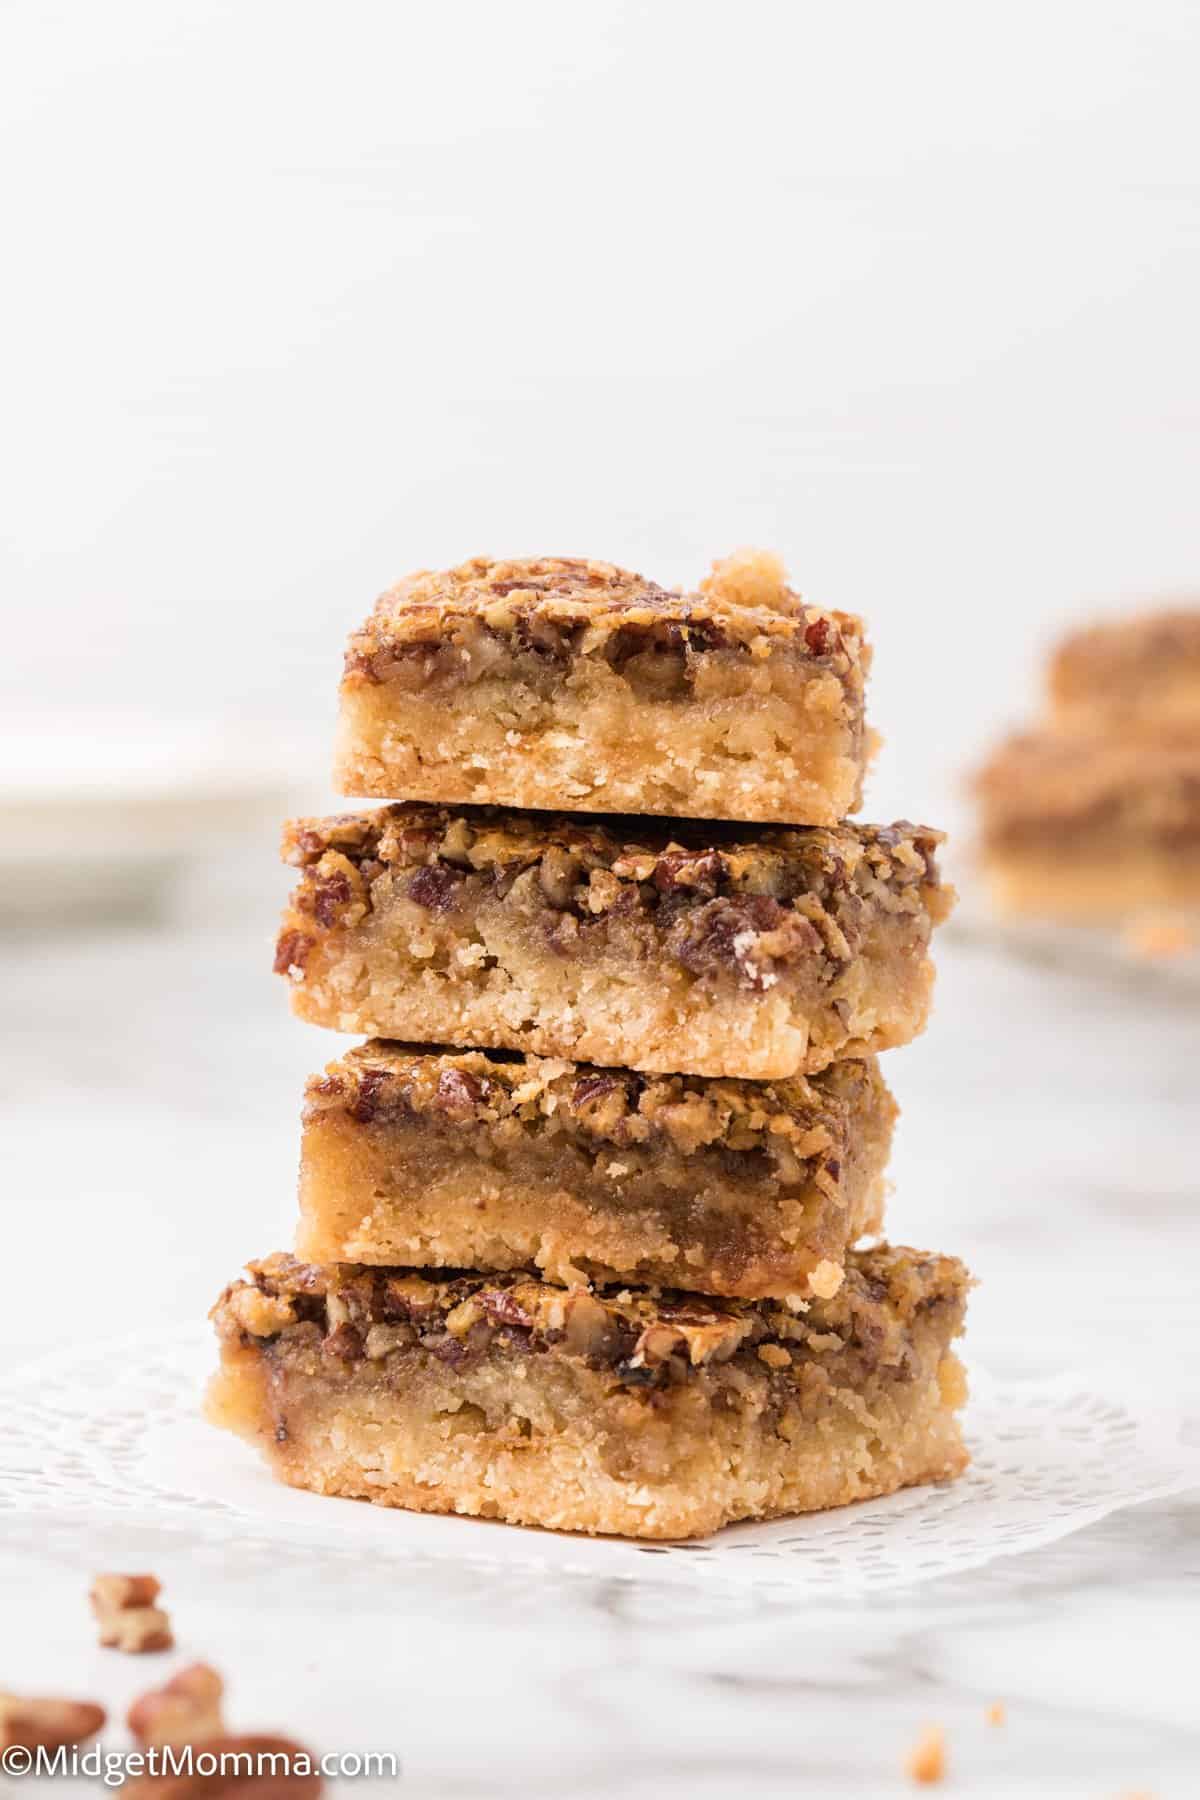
(673, 946)
(647, 1415)
(467, 1160)
(553, 682)
(1136, 674)
(1077, 826)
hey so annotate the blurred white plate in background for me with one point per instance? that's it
(98, 814)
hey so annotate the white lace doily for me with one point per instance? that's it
(117, 1430)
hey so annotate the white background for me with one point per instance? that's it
(300, 296)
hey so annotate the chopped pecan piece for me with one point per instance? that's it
(262, 1315)
(592, 1087)
(435, 888)
(186, 1710)
(926, 1761)
(697, 871)
(30, 1722)
(366, 1101)
(558, 873)
(459, 1093)
(344, 1341)
(725, 934)
(128, 1618)
(292, 951)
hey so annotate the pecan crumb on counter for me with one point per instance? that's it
(125, 1610)
(29, 1722)
(185, 1710)
(926, 1761)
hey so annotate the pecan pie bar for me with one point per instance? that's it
(495, 1162)
(1138, 674)
(1078, 826)
(648, 1415)
(651, 945)
(553, 682)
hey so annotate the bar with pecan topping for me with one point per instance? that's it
(469, 1160)
(552, 682)
(647, 1415)
(1080, 826)
(677, 947)
(1139, 674)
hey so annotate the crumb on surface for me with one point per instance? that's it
(126, 1613)
(186, 1710)
(996, 1713)
(43, 1723)
(926, 1761)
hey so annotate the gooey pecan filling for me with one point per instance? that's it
(799, 1118)
(643, 1338)
(551, 610)
(719, 902)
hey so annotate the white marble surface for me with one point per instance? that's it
(1050, 1135)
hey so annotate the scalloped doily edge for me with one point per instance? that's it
(832, 1555)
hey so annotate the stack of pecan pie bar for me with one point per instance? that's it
(1094, 814)
(578, 1222)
